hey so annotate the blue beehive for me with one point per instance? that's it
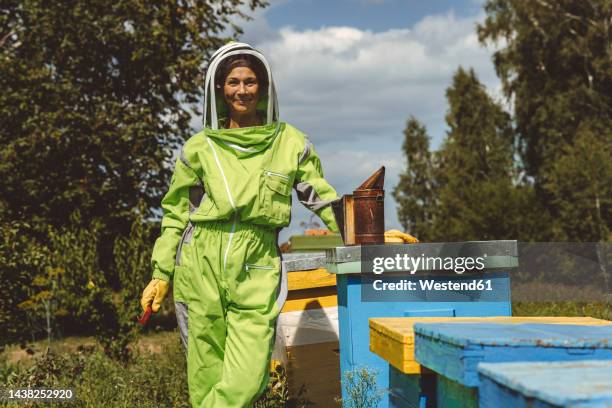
(585, 383)
(354, 312)
(454, 350)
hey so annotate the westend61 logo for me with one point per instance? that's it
(404, 262)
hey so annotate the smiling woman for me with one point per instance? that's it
(229, 197)
(244, 82)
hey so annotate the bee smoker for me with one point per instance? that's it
(361, 215)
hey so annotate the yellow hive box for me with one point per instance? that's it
(311, 289)
(392, 338)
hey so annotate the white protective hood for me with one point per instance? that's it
(213, 106)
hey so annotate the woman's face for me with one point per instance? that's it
(241, 91)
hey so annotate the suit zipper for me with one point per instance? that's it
(251, 266)
(271, 173)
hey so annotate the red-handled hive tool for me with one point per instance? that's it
(144, 319)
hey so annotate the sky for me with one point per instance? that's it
(349, 73)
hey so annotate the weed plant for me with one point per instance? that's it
(147, 380)
(360, 387)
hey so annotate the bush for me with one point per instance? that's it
(132, 256)
(54, 284)
(360, 387)
(21, 258)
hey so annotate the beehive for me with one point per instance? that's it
(392, 338)
(354, 309)
(411, 384)
(454, 351)
(546, 384)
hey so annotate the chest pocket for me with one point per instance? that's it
(276, 194)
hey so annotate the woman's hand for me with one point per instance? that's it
(398, 237)
(153, 295)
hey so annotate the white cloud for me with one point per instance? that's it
(352, 90)
(345, 83)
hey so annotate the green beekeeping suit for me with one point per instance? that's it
(229, 196)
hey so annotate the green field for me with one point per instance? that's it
(155, 376)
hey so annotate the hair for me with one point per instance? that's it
(247, 61)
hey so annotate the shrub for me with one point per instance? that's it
(360, 387)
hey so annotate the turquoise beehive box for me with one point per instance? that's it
(455, 350)
(354, 309)
(582, 383)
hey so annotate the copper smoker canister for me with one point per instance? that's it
(369, 210)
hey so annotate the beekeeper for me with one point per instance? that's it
(229, 197)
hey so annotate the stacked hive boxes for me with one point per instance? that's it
(354, 311)
(434, 362)
(307, 331)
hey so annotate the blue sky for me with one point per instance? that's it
(374, 15)
(350, 72)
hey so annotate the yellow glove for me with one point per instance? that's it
(154, 294)
(399, 237)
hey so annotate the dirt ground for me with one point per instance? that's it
(14, 354)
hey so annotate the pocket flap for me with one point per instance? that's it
(277, 182)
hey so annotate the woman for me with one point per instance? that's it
(229, 196)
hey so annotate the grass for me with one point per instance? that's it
(150, 379)
(598, 310)
(154, 377)
(153, 341)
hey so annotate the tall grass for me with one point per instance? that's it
(148, 380)
(154, 376)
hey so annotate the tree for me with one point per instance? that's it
(556, 65)
(474, 168)
(579, 186)
(414, 192)
(95, 98)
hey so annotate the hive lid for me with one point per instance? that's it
(401, 329)
(303, 261)
(561, 383)
(511, 335)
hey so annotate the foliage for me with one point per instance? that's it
(21, 258)
(62, 282)
(543, 174)
(149, 380)
(277, 393)
(579, 188)
(598, 310)
(474, 168)
(556, 65)
(81, 294)
(95, 98)
(468, 189)
(360, 387)
(132, 256)
(415, 191)
(50, 281)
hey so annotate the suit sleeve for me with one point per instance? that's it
(313, 191)
(175, 205)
